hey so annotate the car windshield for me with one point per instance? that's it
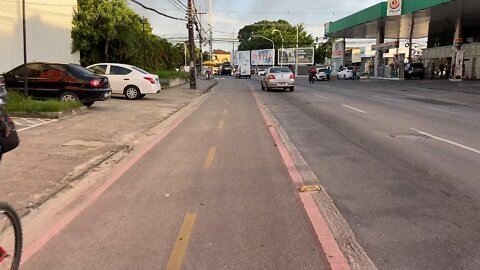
(140, 70)
(417, 65)
(280, 70)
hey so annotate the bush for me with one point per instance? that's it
(173, 74)
(18, 102)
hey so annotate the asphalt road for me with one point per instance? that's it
(401, 162)
(213, 194)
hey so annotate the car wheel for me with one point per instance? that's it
(292, 88)
(132, 92)
(263, 87)
(338, 78)
(69, 96)
(89, 103)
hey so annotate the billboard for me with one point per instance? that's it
(220, 58)
(305, 56)
(242, 58)
(337, 50)
(263, 57)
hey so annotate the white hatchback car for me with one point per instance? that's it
(128, 80)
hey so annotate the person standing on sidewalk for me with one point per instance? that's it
(354, 72)
(327, 73)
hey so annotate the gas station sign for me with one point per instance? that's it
(394, 7)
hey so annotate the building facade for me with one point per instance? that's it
(48, 32)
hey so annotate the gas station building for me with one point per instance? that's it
(451, 27)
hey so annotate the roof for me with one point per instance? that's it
(364, 24)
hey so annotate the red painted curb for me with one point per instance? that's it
(330, 247)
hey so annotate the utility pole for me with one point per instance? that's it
(211, 35)
(191, 44)
(233, 48)
(296, 55)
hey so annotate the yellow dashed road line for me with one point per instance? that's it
(210, 158)
(180, 248)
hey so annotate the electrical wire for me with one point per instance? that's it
(156, 11)
(177, 6)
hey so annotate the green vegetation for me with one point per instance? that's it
(173, 75)
(248, 41)
(110, 31)
(17, 102)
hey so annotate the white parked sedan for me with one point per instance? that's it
(128, 80)
(345, 73)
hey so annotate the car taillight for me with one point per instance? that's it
(292, 76)
(151, 80)
(271, 77)
(95, 83)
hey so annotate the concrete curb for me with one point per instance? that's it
(50, 115)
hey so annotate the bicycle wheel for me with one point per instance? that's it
(10, 238)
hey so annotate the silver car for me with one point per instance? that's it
(278, 77)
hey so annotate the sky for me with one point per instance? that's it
(229, 16)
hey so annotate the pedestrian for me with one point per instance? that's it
(327, 73)
(433, 70)
(354, 70)
(448, 70)
(441, 68)
(312, 73)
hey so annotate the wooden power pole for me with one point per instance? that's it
(191, 45)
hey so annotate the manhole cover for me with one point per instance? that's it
(409, 136)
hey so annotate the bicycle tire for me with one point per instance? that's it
(12, 216)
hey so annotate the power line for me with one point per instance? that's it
(176, 6)
(156, 11)
(181, 3)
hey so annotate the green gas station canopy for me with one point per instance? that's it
(364, 24)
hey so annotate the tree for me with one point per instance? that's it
(323, 50)
(249, 41)
(109, 31)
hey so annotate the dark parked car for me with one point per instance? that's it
(414, 70)
(67, 82)
(3, 90)
(226, 69)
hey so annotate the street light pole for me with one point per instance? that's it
(25, 71)
(144, 21)
(280, 56)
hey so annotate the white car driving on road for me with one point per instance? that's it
(128, 80)
(345, 73)
(278, 77)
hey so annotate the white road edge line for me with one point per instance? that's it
(320, 96)
(37, 125)
(353, 108)
(447, 141)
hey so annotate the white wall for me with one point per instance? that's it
(49, 24)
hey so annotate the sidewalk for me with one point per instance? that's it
(51, 156)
